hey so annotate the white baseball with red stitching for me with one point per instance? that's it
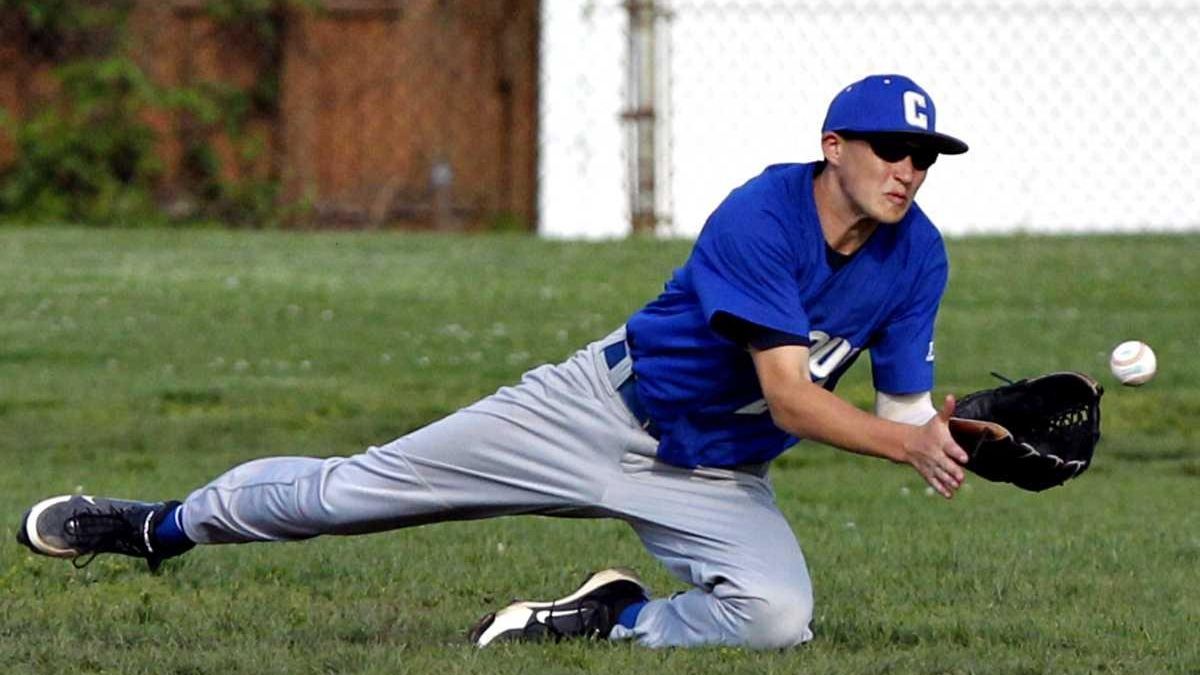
(1133, 363)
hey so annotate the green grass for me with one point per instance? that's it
(143, 363)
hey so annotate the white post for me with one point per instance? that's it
(640, 114)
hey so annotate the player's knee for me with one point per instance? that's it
(775, 617)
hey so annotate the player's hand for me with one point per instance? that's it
(934, 454)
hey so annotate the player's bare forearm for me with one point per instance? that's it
(806, 410)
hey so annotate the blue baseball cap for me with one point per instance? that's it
(889, 104)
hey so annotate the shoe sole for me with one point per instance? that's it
(511, 621)
(28, 534)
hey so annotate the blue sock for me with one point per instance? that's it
(629, 615)
(169, 536)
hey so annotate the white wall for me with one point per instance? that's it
(1081, 115)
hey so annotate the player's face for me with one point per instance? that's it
(881, 176)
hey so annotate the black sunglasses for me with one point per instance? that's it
(894, 149)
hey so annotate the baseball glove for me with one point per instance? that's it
(1035, 433)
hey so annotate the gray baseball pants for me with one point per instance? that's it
(560, 443)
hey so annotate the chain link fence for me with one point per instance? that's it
(1080, 114)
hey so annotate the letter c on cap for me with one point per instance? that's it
(914, 109)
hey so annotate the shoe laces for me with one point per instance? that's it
(105, 530)
(588, 618)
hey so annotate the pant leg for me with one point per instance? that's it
(543, 446)
(562, 443)
(721, 532)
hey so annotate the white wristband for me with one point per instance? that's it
(907, 408)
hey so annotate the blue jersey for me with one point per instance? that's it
(762, 258)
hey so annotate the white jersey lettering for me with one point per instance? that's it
(825, 357)
(826, 354)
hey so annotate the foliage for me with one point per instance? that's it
(91, 155)
(258, 17)
(212, 110)
(90, 158)
(64, 29)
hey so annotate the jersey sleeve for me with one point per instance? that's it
(743, 333)
(902, 356)
(745, 266)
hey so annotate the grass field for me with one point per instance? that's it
(143, 363)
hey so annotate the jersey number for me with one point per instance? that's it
(827, 354)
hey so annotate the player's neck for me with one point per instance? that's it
(845, 227)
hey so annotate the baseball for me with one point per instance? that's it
(1133, 363)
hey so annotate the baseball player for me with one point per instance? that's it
(669, 423)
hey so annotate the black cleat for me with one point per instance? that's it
(79, 527)
(590, 612)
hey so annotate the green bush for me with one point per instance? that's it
(90, 157)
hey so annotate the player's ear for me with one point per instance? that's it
(832, 146)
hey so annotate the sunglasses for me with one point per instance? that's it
(893, 149)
